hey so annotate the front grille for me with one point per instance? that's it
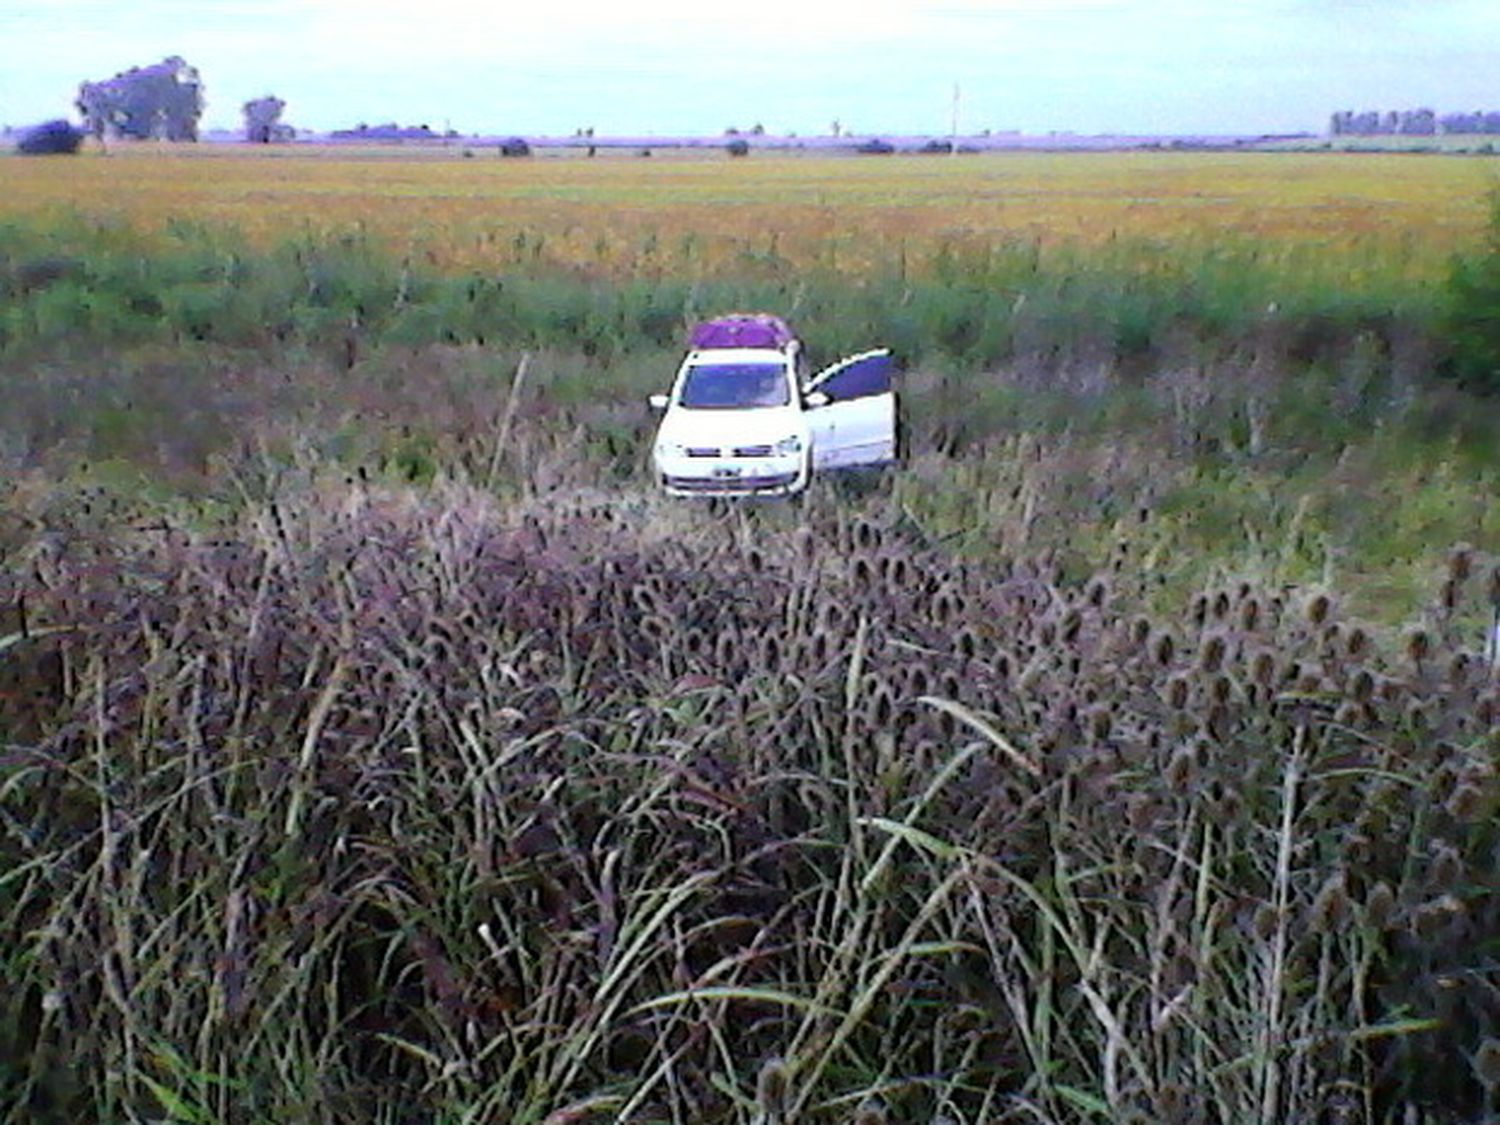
(753, 451)
(731, 485)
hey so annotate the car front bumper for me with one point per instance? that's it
(746, 484)
(732, 476)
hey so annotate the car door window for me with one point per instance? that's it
(858, 377)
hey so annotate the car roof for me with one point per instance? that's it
(767, 357)
(755, 330)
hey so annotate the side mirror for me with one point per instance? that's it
(814, 399)
(658, 402)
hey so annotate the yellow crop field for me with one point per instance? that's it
(1331, 213)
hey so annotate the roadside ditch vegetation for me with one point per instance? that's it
(374, 745)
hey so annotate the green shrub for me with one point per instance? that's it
(1472, 319)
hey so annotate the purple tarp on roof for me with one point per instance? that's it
(743, 330)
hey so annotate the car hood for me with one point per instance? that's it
(732, 427)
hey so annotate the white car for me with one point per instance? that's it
(743, 419)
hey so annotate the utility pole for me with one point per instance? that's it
(953, 134)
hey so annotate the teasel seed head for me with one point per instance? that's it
(1101, 724)
(1356, 849)
(1362, 685)
(1263, 667)
(1459, 667)
(831, 618)
(942, 608)
(1172, 1102)
(1460, 563)
(1487, 1065)
(772, 1085)
(1380, 906)
(967, 643)
(1072, 625)
(806, 546)
(950, 686)
(1449, 595)
(1004, 664)
(1032, 676)
(655, 627)
(1180, 769)
(1225, 801)
(1332, 639)
(1356, 643)
(1219, 723)
(862, 574)
(1096, 593)
(1163, 648)
(1178, 691)
(1466, 802)
(1264, 922)
(1140, 813)
(917, 680)
(1319, 606)
(1331, 908)
(1310, 681)
(1211, 654)
(900, 573)
(1223, 688)
(1434, 916)
(819, 647)
(1221, 605)
(1198, 611)
(1140, 631)
(1447, 867)
(1249, 614)
(880, 709)
(727, 648)
(1349, 714)
(1418, 646)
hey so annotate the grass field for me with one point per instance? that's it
(613, 217)
(375, 746)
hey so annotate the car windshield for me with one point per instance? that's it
(734, 386)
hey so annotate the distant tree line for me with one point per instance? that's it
(1413, 123)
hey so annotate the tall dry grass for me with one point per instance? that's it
(372, 804)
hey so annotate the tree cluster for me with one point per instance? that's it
(263, 124)
(1412, 123)
(160, 102)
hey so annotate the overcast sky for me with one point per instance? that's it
(549, 66)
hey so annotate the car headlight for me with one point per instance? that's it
(788, 445)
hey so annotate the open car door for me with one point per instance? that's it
(857, 425)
